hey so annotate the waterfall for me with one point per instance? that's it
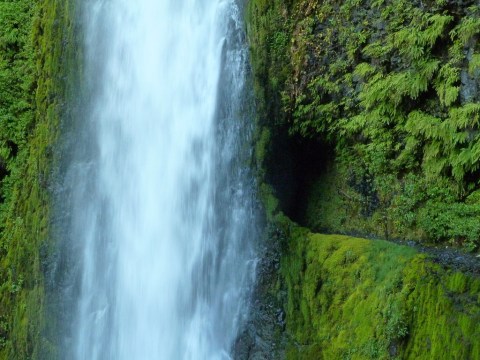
(161, 211)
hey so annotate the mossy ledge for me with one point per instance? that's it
(351, 298)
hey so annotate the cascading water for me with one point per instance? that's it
(162, 218)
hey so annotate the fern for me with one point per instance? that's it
(474, 65)
(395, 86)
(445, 84)
(415, 40)
(363, 70)
(377, 50)
(467, 29)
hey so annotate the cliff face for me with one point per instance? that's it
(368, 125)
(378, 102)
(34, 39)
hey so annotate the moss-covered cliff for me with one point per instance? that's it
(34, 51)
(389, 93)
(368, 124)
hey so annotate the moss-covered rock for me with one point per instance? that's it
(351, 298)
(393, 87)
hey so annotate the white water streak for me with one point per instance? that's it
(162, 208)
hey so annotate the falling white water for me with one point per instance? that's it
(161, 217)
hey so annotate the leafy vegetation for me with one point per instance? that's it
(391, 90)
(33, 50)
(393, 87)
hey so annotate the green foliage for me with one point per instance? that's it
(382, 82)
(352, 298)
(16, 74)
(269, 35)
(457, 222)
(32, 90)
(450, 145)
(474, 65)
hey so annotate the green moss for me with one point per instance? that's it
(351, 298)
(33, 66)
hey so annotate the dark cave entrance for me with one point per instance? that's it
(294, 164)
